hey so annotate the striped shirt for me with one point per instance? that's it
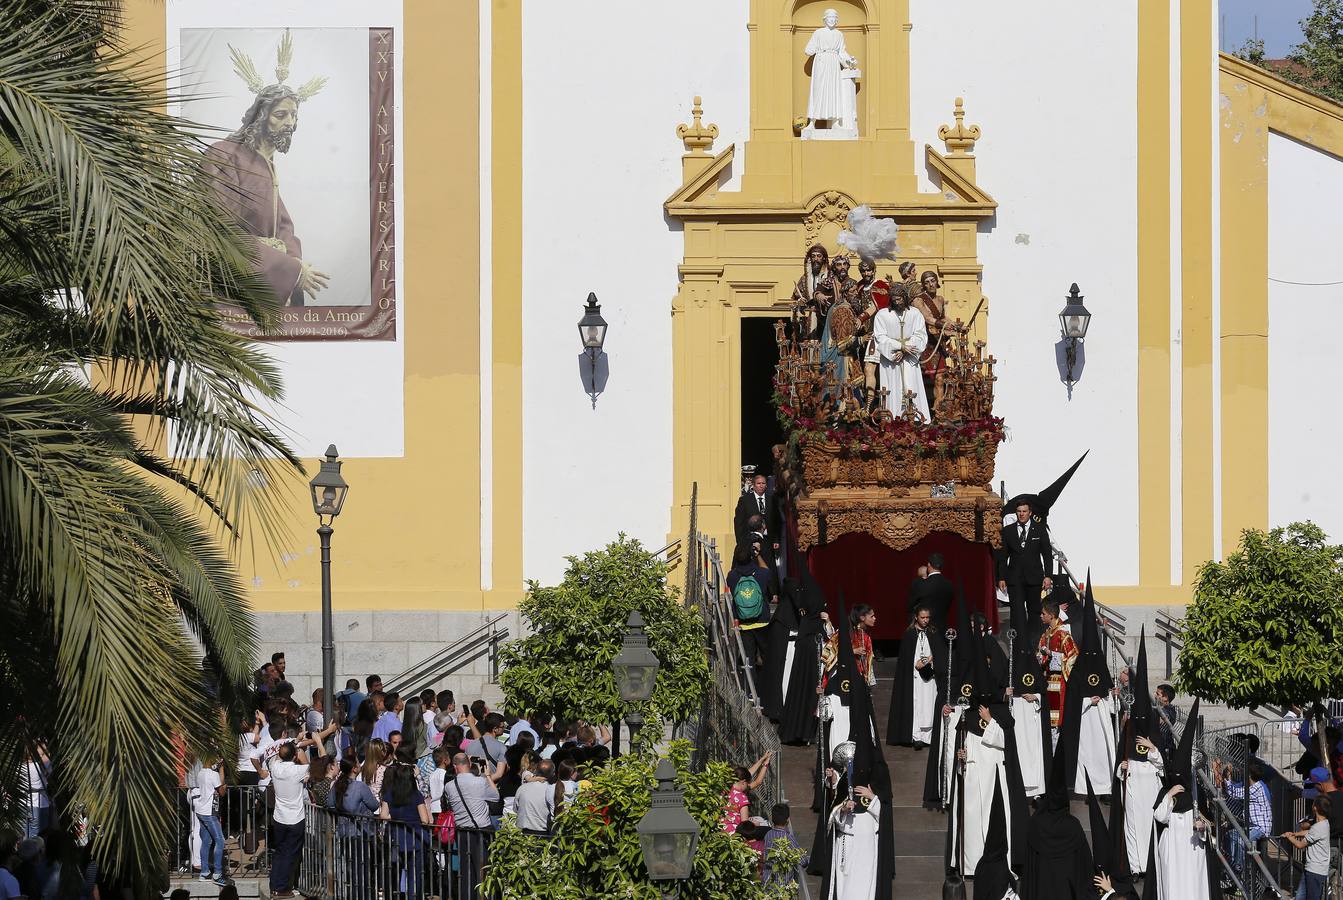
(1261, 809)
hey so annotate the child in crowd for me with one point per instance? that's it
(1315, 841)
(782, 830)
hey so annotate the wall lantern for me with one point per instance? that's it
(1074, 321)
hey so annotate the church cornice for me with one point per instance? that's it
(968, 192)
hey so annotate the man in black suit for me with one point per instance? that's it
(759, 501)
(935, 592)
(1024, 565)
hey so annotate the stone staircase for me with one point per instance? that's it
(247, 887)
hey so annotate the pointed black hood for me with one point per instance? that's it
(860, 703)
(1105, 851)
(1042, 502)
(1180, 770)
(966, 648)
(986, 690)
(1056, 791)
(1140, 715)
(993, 875)
(840, 680)
(1090, 675)
(1027, 675)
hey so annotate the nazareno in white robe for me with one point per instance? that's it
(924, 703)
(827, 52)
(1095, 746)
(1026, 727)
(985, 762)
(1142, 785)
(1181, 857)
(853, 853)
(893, 332)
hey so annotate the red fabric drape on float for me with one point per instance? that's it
(870, 572)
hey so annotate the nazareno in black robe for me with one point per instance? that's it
(1058, 857)
(785, 621)
(900, 720)
(797, 719)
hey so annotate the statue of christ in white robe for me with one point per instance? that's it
(900, 336)
(829, 100)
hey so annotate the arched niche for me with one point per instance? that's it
(804, 17)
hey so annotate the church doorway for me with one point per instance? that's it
(760, 429)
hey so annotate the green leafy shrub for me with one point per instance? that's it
(564, 665)
(1266, 625)
(595, 849)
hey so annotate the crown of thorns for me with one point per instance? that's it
(245, 69)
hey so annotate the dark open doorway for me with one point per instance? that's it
(760, 429)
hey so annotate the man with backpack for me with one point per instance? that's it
(753, 589)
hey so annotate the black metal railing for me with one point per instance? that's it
(243, 818)
(349, 857)
(731, 727)
(484, 641)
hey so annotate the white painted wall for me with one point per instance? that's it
(1304, 321)
(1059, 153)
(343, 392)
(602, 95)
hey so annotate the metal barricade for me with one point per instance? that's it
(364, 858)
(730, 726)
(244, 821)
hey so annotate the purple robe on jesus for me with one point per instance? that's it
(245, 184)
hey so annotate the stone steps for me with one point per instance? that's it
(247, 887)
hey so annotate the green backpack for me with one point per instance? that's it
(748, 598)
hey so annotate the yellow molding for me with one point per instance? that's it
(970, 193)
(692, 190)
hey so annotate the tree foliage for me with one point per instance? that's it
(595, 849)
(564, 665)
(1319, 56)
(126, 627)
(1266, 624)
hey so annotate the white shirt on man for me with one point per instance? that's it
(288, 779)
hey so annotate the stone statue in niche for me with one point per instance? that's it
(832, 106)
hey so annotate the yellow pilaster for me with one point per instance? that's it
(1154, 438)
(506, 165)
(1243, 137)
(1196, 149)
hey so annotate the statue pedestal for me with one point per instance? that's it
(812, 133)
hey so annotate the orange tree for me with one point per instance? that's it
(1266, 623)
(595, 851)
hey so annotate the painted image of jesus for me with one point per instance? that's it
(242, 170)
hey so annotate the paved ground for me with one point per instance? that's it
(919, 834)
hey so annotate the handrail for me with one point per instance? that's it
(1105, 618)
(1251, 848)
(455, 655)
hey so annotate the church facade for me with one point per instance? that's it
(548, 150)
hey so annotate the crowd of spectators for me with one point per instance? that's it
(401, 774)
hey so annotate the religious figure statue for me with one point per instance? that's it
(933, 305)
(241, 168)
(834, 91)
(900, 337)
(873, 297)
(812, 295)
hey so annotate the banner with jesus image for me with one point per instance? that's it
(301, 152)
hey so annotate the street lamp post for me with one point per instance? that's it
(328, 496)
(668, 834)
(636, 669)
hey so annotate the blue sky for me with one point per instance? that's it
(1278, 21)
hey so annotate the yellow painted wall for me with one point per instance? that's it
(409, 537)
